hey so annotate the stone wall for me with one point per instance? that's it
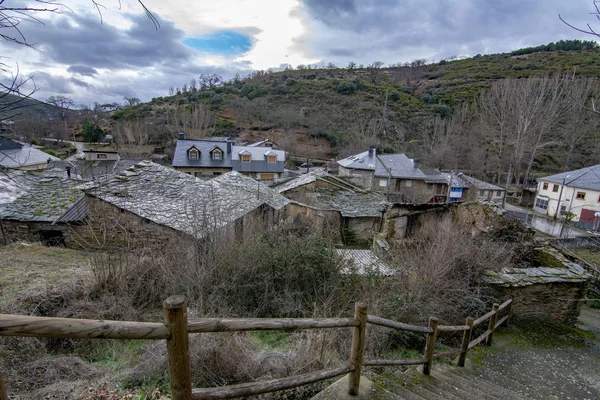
(323, 221)
(203, 172)
(550, 292)
(110, 228)
(545, 302)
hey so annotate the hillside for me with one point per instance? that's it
(428, 111)
(15, 108)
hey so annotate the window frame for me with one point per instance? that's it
(580, 195)
(555, 188)
(195, 151)
(248, 156)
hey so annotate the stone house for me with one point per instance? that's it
(402, 179)
(152, 205)
(353, 212)
(40, 207)
(484, 191)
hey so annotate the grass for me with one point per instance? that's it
(591, 256)
(27, 269)
(272, 341)
(534, 334)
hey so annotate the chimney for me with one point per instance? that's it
(68, 172)
(181, 135)
(416, 163)
(371, 151)
(229, 147)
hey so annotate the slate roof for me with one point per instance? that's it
(88, 170)
(352, 204)
(398, 166)
(585, 178)
(23, 157)
(517, 277)
(41, 198)
(362, 262)
(457, 181)
(433, 175)
(180, 158)
(481, 185)
(185, 203)
(258, 161)
(360, 161)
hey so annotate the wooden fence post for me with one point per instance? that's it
(3, 394)
(430, 345)
(492, 324)
(175, 311)
(465, 342)
(358, 346)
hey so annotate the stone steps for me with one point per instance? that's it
(445, 383)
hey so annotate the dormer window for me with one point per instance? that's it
(271, 157)
(193, 153)
(245, 156)
(216, 154)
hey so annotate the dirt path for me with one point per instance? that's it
(542, 369)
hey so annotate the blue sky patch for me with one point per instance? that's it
(226, 43)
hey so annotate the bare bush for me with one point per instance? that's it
(438, 272)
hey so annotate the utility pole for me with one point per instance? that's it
(560, 197)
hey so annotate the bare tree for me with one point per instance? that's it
(520, 112)
(209, 81)
(588, 30)
(580, 122)
(63, 106)
(132, 101)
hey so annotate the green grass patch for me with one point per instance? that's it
(533, 334)
(272, 340)
(114, 354)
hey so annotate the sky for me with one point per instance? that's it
(91, 58)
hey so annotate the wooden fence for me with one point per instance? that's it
(176, 328)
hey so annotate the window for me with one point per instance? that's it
(246, 157)
(580, 196)
(271, 159)
(545, 186)
(481, 193)
(598, 199)
(217, 173)
(193, 154)
(100, 155)
(268, 177)
(217, 155)
(555, 188)
(383, 183)
(563, 208)
(498, 193)
(408, 183)
(541, 203)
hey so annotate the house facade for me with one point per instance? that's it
(402, 179)
(576, 192)
(484, 191)
(207, 159)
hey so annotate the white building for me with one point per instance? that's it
(576, 192)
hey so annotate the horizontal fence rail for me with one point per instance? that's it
(71, 328)
(176, 328)
(264, 324)
(397, 325)
(254, 388)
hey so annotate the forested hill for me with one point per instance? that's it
(430, 111)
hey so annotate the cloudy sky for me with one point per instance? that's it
(91, 60)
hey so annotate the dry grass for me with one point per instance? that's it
(27, 269)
